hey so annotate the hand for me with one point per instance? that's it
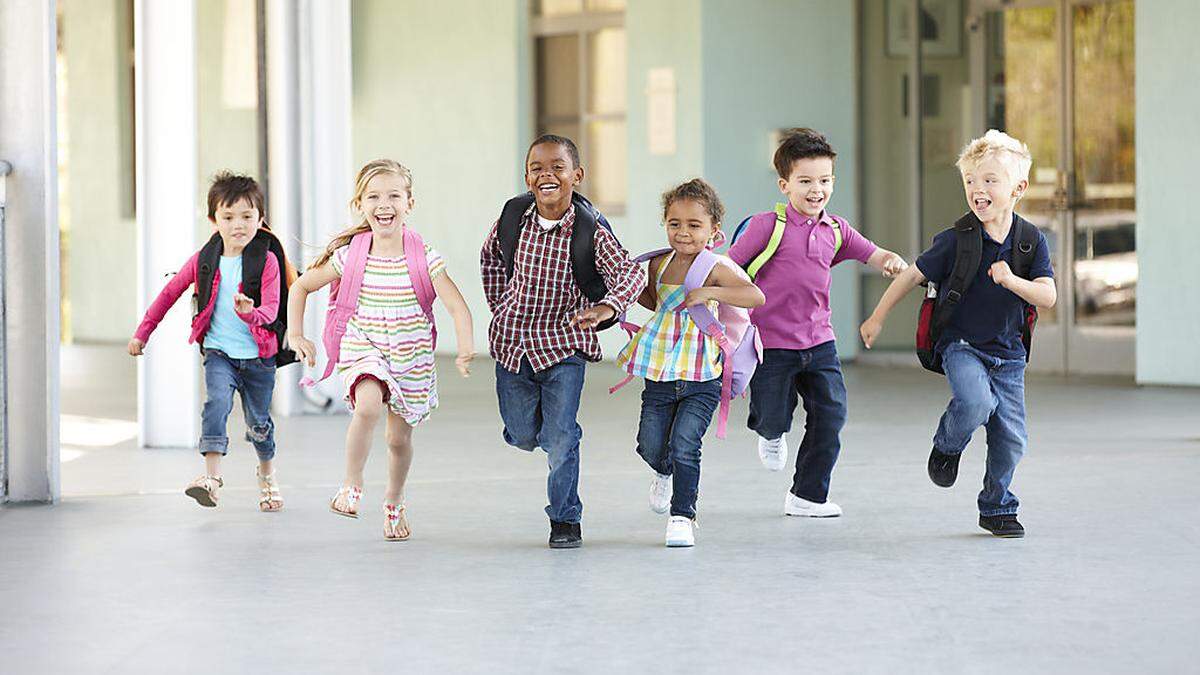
(593, 316)
(242, 304)
(135, 347)
(1001, 273)
(700, 296)
(305, 350)
(463, 363)
(893, 265)
(869, 330)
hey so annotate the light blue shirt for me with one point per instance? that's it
(227, 332)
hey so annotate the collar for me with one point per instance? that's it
(566, 224)
(798, 218)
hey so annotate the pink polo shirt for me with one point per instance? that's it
(796, 280)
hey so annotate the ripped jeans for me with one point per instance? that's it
(254, 381)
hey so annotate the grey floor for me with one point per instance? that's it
(128, 575)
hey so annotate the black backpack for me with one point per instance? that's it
(939, 306)
(583, 244)
(254, 258)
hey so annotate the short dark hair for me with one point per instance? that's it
(229, 188)
(800, 143)
(555, 139)
(699, 190)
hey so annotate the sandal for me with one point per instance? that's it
(204, 490)
(350, 494)
(269, 499)
(395, 523)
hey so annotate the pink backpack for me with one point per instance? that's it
(343, 293)
(731, 328)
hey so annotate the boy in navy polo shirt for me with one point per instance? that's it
(981, 347)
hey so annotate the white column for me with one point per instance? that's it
(30, 249)
(167, 208)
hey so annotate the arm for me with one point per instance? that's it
(621, 275)
(268, 309)
(167, 297)
(909, 279)
(310, 281)
(464, 332)
(726, 286)
(887, 262)
(491, 268)
(648, 297)
(1039, 292)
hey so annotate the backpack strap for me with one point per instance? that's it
(343, 298)
(708, 324)
(1025, 241)
(968, 251)
(772, 243)
(508, 230)
(837, 233)
(207, 264)
(629, 327)
(418, 272)
(284, 356)
(254, 260)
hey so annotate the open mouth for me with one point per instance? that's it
(815, 202)
(981, 203)
(547, 188)
(385, 220)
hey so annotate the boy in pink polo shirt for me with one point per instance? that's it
(799, 356)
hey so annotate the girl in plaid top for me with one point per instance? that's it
(386, 353)
(682, 365)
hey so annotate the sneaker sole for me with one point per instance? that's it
(811, 515)
(662, 510)
(202, 497)
(566, 544)
(1017, 535)
(680, 543)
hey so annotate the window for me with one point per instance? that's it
(579, 48)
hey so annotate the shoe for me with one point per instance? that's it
(679, 532)
(205, 490)
(943, 468)
(795, 506)
(395, 523)
(660, 493)
(1003, 526)
(773, 454)
(565, 535)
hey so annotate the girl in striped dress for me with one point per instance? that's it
(681, 365)
(385, 356)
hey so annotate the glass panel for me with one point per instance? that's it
(606, 74)
(945, 72)
(567, 129)
(558, 76)
(558, 7)
(605, 175)
(606, 5)
(1106, 269)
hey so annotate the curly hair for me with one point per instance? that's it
(698, 190)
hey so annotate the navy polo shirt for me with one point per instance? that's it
(989, 317)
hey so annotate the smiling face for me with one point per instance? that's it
(990, 190)
(689, 226)
(237, 223)
(552, 176)
(385, 203)
(810, 185)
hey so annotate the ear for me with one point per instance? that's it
(1019, 190)
(579, 174)
(213, 222)
(783, 186)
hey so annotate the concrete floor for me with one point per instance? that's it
(128, 575)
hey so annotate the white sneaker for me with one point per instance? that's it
(660, 493)
(795, 506)
(679, 532)
(773, 453)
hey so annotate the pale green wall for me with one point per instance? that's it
(437, 88)
(1168, 234)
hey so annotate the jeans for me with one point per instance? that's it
(986, 391)
(254, 381)
(675, 415)
(815, 376)
(539, 410)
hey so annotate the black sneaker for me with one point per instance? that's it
(565, 535)
(1003, 526)
(943, 468)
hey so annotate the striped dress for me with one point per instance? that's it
(670, 346)
(389, 338)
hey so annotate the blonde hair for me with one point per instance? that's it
(370, 170)
(1012, 154)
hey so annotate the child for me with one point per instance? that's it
(800, 359)
(237, 326)
(543, 325)
(681, 365)
(385, 355)
(981, 347)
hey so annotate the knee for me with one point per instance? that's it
(975, 409)
(259, 433)
(368, 408)
(399, 440)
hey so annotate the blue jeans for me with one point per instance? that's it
(987, 391)
(254, 381)
(539, 410)
(814, 375)
(675, 415)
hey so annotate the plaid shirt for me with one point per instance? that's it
(531, 312)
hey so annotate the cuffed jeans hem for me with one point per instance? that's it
(217, 444)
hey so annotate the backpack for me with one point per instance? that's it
(737, 338)
(254, 258)
(772, 246)
(583, 244)
(938, 306)
(343, 293)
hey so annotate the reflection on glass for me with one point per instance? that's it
(558, 7)
(558, 76)
(606, 5)
(605, 164)
(606, 75)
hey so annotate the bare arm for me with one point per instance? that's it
(464, 330)
(309, 282)
(1039, 292)
(649, 295)
(888, 263)
(909, 279)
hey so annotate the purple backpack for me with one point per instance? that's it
(738, 339)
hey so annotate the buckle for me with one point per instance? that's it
(953, 296)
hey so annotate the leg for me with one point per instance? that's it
(692, 417)
(824, 394)
(1006, 439)
(400, 455)
(654, 428)
(561, 387)
(220, 381)
(519, 396)
(773, 394)
(257, 388)
(971, 402)
(368, 395)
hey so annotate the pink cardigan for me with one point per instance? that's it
(256, 320)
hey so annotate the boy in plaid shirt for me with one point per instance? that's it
(543, 328)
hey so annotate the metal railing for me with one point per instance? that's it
(5, 169)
